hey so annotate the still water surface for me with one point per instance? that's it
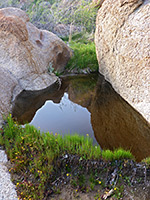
(64, 117)
(86, 104)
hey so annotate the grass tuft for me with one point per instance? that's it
(117, 154)
(122, 154)
(146, 160)
(107, 155)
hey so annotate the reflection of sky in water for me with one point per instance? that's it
(65, 117)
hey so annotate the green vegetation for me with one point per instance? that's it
(84, 52)
(78, 15)
(82, 13)
(84, 56)
(33, 156)
(117, 154)
(146, 160)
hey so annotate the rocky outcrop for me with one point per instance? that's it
(27, 54)
(123, 49)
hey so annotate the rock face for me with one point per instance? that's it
(123, 49)
(27, 54)
(7, 85)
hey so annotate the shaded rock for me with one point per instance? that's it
(122, 44)
(27, 53)
(7, 81)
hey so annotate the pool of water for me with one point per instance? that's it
(86, 104)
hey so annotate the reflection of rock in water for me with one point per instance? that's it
(116, 123)
(28, 102)
(81, 89)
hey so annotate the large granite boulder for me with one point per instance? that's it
(27, 54)
(122, 41)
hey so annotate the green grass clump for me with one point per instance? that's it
(33, 155)
(117, 154)
(146, 160)
(122, 154)
(84, 56)
(107, 155)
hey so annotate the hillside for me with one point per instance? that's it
(61, 17)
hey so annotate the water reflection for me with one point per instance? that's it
(62, 118)
(114, 121)
(58, 114)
